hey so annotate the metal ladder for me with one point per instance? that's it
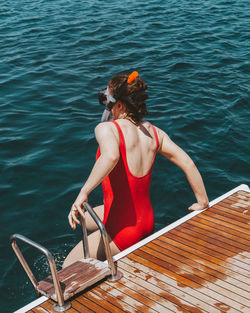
(64, 284)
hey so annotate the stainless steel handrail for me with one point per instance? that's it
(115, 275)
(84, 237)
(63, 306)
(51, 261)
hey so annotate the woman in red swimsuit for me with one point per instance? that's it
(124, 162)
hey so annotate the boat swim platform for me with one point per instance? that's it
(200, 263)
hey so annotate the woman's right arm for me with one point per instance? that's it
(110, 154)
(180, 158)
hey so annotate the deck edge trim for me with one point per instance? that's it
(32, 305)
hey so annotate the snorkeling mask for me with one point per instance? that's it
(106, 99)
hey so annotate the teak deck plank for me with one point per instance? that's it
(227, 227)
(243, 192)
(125, 300)
(236, 199)
(217, 236)
(134, 282)
(144, 297)
(151, 281)
(117, 302)
(191, 294)
(205, 259)
(197, 276)
(79, 307)
(223, 233)
(206, 253)
(238, 209)
(199, 235)
(233, 220)
(105, 304)
(184, 282)
(239, 196)
(38, 310)
(213, 274)
(179, 292)
(200, 266)
(236, 203)
(193, 258)
(223, 210)
(91, 305)
(204, 246)
(239, 205)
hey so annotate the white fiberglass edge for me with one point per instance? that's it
(177, 223)
(148, 239)
(32, 305)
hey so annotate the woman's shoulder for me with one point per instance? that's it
(105, 127)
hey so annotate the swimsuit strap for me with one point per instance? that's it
(121, 137)
(156, 138)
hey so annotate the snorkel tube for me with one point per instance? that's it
(105, 115)
(106, 99)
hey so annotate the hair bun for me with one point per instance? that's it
(133, 95)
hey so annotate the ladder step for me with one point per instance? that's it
(75, 278)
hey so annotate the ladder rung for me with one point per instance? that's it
(75, 278)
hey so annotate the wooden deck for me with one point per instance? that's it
(202, 265)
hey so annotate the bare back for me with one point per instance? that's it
(140, 145)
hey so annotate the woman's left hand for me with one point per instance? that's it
(197, 207)
(76, 209)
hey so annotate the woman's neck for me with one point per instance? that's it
(128, 118)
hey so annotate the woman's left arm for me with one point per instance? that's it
(110, 154)
(179, 157)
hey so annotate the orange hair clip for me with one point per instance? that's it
(132, 77)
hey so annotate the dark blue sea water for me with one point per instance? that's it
(55, 56)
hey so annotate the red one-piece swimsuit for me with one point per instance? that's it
(128, 212)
